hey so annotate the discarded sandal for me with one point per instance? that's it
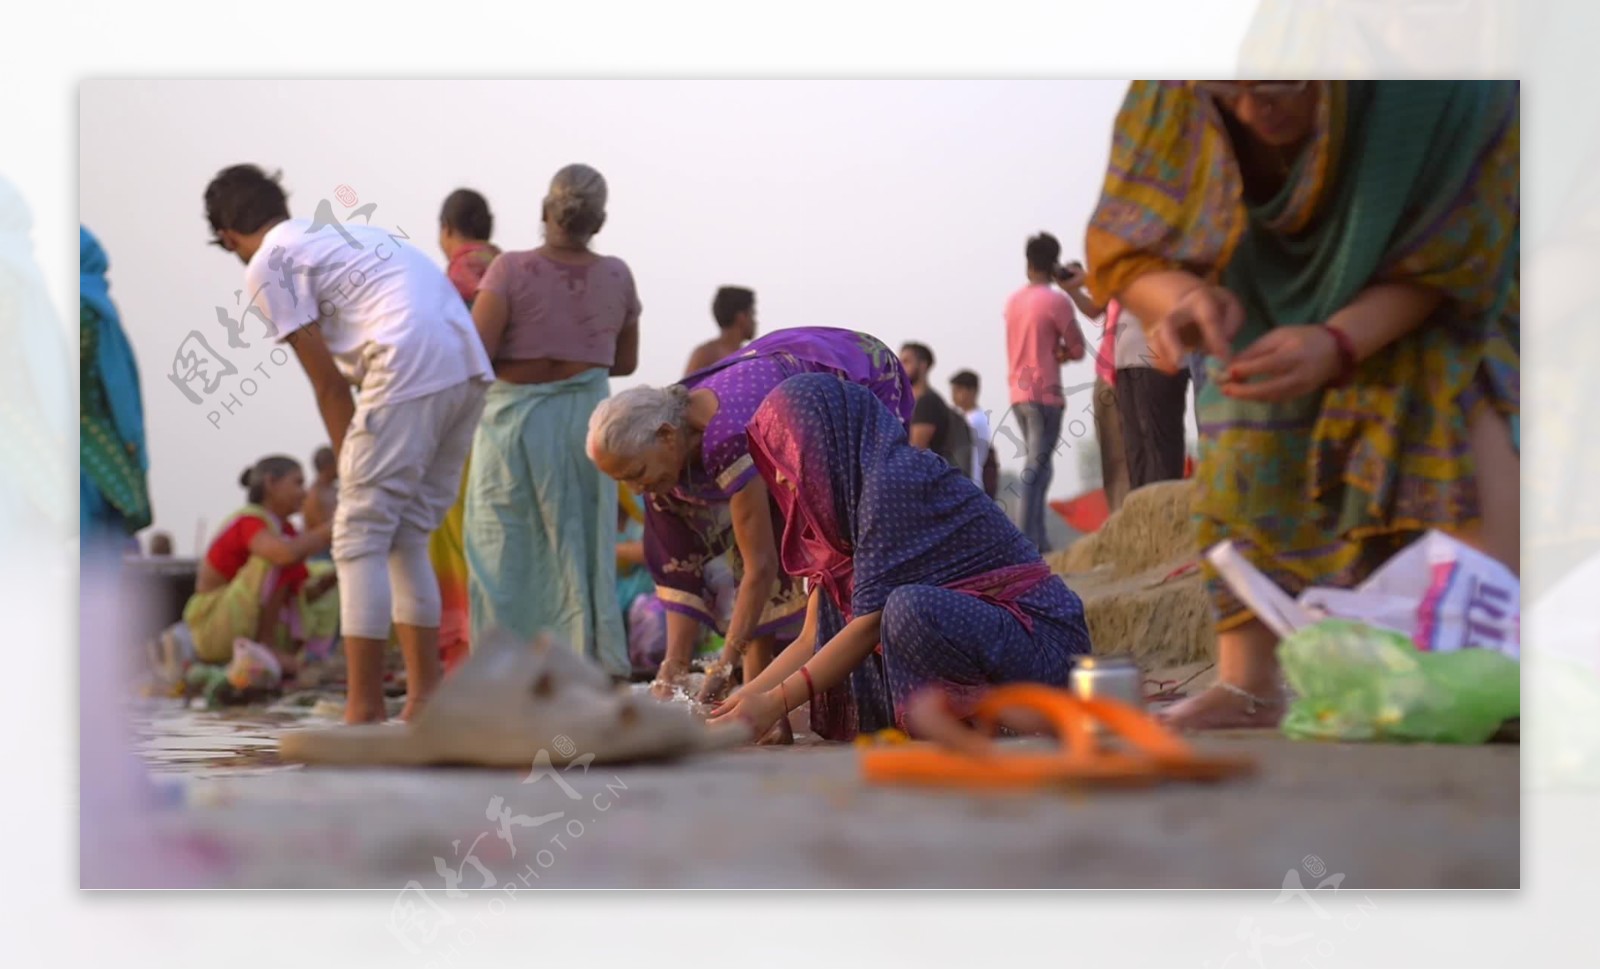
(1150, 753)
(511, 703)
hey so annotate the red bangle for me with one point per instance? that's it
(811, 689)
(1347, 356)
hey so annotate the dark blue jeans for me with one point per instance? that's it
(1041, 430)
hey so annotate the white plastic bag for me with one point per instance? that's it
(1442, 594)
(254, 666)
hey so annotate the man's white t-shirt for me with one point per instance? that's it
(1133, 348)
(978, 421)
(396, 326)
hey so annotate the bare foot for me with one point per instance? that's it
(357, 713)
(414, 705)
(780, 733)
(929, 717)
(1217, 708)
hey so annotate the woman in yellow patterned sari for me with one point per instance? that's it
(1341, 259)
(465, 225)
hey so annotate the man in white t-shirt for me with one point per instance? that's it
(964, 395)
(399, 375)
(1151, 405)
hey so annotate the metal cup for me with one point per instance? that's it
(1115, 677)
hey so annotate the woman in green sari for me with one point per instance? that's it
(113, 494)
(255, 582)
(1343, 257)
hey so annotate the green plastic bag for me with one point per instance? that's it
(1361, 683)
(710, 646)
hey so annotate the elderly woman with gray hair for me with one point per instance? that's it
(541, 523)
(684, 446)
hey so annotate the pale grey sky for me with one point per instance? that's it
(899, 208)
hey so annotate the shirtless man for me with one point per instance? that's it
(734, 308)
(323, 496)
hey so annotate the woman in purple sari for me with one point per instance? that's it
(684, 445)
(917, 578)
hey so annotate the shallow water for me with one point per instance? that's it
(682, 696)
(173, 739)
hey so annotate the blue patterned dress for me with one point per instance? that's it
(966, 601)
(690, 527)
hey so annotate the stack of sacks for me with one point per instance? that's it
(1139, 580)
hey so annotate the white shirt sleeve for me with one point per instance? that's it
(280, 286)
(979, 422)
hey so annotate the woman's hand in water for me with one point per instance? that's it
(669, 677)
(1206, 319)
(1286, 363)
(758, 711)
(719, 674)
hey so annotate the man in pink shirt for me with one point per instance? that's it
(1041, 334)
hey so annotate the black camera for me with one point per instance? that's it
(1072, 270)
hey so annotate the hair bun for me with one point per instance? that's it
(244, 477)
(567, 208)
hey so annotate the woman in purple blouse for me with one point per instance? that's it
(684, 446)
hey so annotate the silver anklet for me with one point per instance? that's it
(1252, 701)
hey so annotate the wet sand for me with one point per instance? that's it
(1385, 816)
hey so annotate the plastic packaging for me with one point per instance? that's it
(1439, 592)
(1360, 683)
(253, 667)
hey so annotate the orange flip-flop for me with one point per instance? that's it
(966, 758)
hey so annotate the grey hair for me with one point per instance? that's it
(626, 424)
(576, 202)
